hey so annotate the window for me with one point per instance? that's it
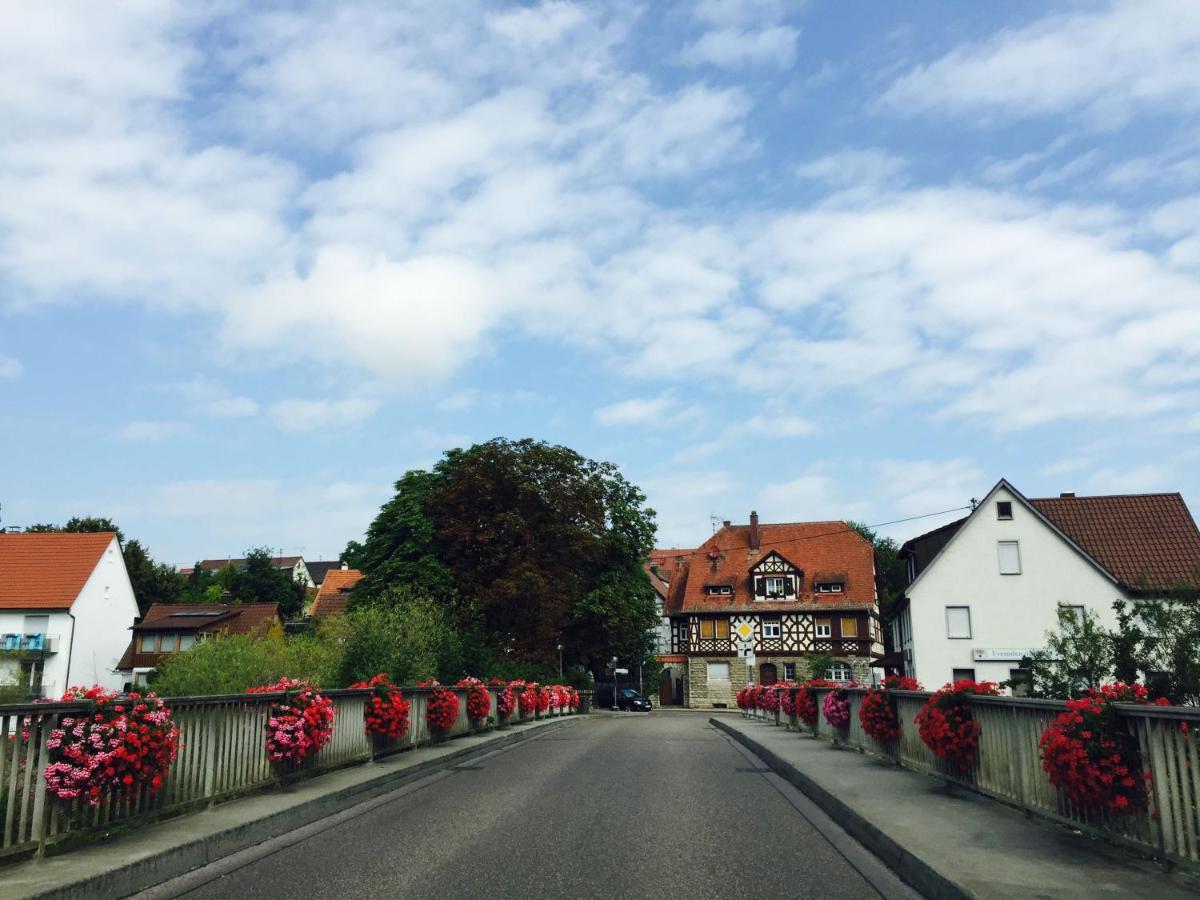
(168, 643)
(1021, 681)
(829, 587)
(1003, 509)
(824, 628)
(1076, 613)
(840, 672)
(776, 586)
(1010, 557)
(958, 622)
(962, 674)
(714, 628)
(770, 628)
(849, 628)
(147, 643)
(185, 641)
(789, 671)
(719, 590)
(37, 624)
(718, 671)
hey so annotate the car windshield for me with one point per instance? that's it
(629, 692)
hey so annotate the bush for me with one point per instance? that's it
(405, 634)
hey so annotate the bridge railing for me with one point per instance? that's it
(221, 755)
(1009, 762)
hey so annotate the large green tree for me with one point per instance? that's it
(891, 572)
(261, 581)
(531, 542)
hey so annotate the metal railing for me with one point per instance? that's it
(221, 755)
(1009, 769)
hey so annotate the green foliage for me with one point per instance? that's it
(1161, 636)
(233, 663)
(819, 665)
(891, 572)
(11, 690)
(261, 582)
(528, 545)
(405, 634)
(1078, 655)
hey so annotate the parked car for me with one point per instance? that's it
(630, 700)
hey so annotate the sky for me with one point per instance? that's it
(817, 259)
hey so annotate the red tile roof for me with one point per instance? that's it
(1143, 540)
(47, 570)
(814, 547)
(334, 595)
(208, 618)
(215, 565)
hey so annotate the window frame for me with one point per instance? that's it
(956, 677)
(970, 627)
(1004, 510)
(1016, 545)
(853, 632)
(837, 668)
(826, 624)
(776, 624)
(781, 580)
(830, 587)
(789, 671)
(714, 623)
(709, 663)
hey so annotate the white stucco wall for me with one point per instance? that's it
(1007, 611)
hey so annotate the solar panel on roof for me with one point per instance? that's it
(184, 615)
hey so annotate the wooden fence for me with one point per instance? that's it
(222, 754)
(1009, 763)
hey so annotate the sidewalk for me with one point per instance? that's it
(950, 842)
(131, 860)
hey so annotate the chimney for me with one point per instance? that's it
(1067, 494)
(727, 523)
(345, 567)
(753, 530)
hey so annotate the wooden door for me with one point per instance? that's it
(767, 673)
(664, 689)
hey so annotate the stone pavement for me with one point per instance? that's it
(949, 842)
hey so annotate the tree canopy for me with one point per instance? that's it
(531, 544)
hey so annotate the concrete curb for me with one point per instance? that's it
(159, 866)
(910, 867)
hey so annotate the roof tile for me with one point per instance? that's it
(47, 570)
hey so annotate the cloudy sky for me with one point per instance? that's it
(819, 259)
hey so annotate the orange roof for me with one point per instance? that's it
(209, 618)
(334, 595)
(813, 547)
(47, 570)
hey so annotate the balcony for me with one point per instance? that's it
(36, 642)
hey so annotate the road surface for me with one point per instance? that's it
(626, 806)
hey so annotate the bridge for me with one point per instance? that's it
(674, 803)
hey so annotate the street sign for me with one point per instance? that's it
(1005, 654)
(745, 631)
(621, 671)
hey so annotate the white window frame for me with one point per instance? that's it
(823, 631)
(719, 590)
(949, 631)
(776, 627)
(829, 587)
(954, 677)
(718, 664)
(781, 581)
(839, 671)
(1016, 546)
(789, 671)
(1078, 609)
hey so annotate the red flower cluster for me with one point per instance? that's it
(298, 725)
(528, 700)
(506, 700)
(574, 699)
(806, 700)
(111, 751)
(837, 709)
(770, 699)
(441, 709)
(787, 705)
(1091, 757)
(386, 713)
(543, 699)
(878, 710)
(479, 703)
(946, 725)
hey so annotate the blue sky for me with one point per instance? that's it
(822, 260)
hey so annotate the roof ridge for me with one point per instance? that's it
(1113, 496)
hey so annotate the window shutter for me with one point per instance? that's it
(760, 586)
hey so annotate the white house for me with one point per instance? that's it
(66, 607)
(983, 591)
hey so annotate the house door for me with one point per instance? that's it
(679, 692)
(664, 689)
(767, 673)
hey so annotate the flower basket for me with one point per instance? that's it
(110, 753)
(1089, 754)
(806, 701)
(479, 705)
(878, 715)
(298, 725)
(506, 701)
(528, 699)
(386, 713)
(836, 707)
(947, 726)
(441, 711)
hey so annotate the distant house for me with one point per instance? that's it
(66, 605)
(984, 590)
(171, 627)
(661, 567)
(294, 565)
(318, 569)
(755, 602)
(334, 595)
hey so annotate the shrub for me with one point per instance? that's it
(878, 710)
(946, 724)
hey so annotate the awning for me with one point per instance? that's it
(889, 661)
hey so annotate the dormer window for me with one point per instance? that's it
(719, 590)
(830, 587)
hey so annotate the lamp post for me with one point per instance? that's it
(615, 681)
(560, 669)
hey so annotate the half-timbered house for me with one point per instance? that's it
(755, 602)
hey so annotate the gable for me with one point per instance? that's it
(48, 570)
(774, 563)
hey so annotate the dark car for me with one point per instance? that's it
(631, 700)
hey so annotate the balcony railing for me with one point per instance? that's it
(34, 642)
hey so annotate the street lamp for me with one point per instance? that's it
(616, 681)
(560, 672)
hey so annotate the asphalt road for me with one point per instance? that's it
(636, 806)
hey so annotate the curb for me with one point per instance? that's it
(164, 865)
(910, 867)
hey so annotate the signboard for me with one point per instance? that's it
(621, 671)
(1002, 654)
(745, 631)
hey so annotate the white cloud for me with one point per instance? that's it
(10, 367)
(207, 398)
(299, 415)
(811, 497)
(1064, 467)
(151, 431)
(658, 411)
(729, 47)
(686, 500)
(1108, 64)
(856, 168)
(1137, 479)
